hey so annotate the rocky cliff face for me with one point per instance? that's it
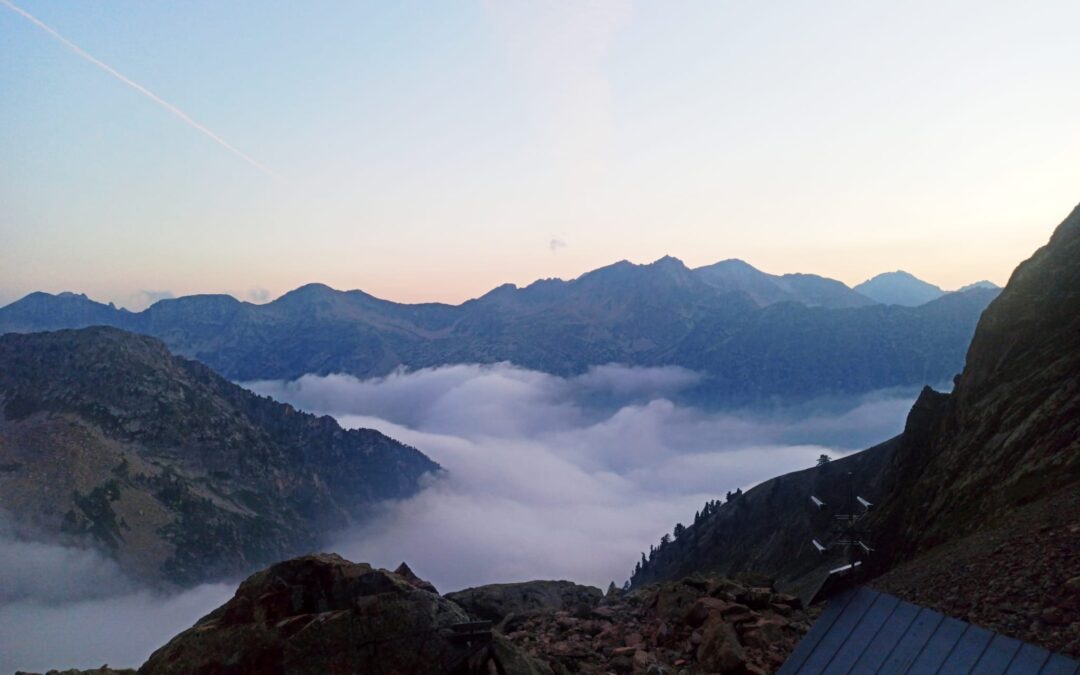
(981, 516)
(976, 501)
(107, 439)
(1009, 434)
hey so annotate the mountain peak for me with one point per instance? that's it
(899, 288)
(313, 288)
(979, 284)
(667, 261)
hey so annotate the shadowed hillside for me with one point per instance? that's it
(109, 440)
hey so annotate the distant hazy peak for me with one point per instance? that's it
(310, 290)
(735, 263)
(979, 284)
(667, 261)
(899, 288)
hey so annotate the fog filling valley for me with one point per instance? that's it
(553, 477)
(546, 477)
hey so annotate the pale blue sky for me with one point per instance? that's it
(430, 151)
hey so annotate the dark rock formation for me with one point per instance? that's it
(497, 602)
(406, 573)
(1009, 434)
(104, 670)
(755, 337)
(981, 511)
(107, 439)
(696, 625)
(323, 614)
(977, 501)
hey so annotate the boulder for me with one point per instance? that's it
(324, 614)
(104, 670)
(720, 650)
(406, 573)
(496, 602)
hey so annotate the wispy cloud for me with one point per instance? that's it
(184, 117)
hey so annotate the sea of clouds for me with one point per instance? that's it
(566, 477)
(545, 477)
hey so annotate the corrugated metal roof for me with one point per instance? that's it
(864, 632)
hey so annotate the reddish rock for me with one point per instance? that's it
(720, 650)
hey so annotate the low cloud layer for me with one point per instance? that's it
(548, 477)
(552, 477)
(65, 607)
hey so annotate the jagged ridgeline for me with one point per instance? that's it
(108, 438)
(978, 501)
(754, 337)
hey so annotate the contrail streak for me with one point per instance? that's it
(142, 90)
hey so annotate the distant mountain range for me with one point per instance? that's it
(755, 337)
(107, 438)
(978, 501)
(901, 288)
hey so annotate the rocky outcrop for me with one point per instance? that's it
(976, 502)
(696, 625)
(406, 573)
(498, 602)
(104, 670)
(322, 614)
(980, 514)
(1009, 434)
(107, 439)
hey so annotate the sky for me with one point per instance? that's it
(432, 151)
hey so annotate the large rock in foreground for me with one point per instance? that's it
(324, 614)
(497, 602)
(693, 626)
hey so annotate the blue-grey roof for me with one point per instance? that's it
(864, 632)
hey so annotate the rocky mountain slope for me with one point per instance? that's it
(768, 529)
(1009, 434)
(976, 499)
(107, 439)
(767, 289)
(755, 337)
